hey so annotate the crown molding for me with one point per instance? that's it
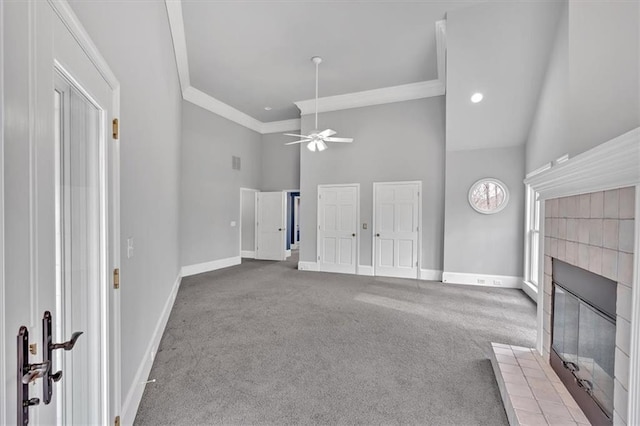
(406, 92)
(386, 95)
(441, 50)
(613, 164)
(280, 126)
(210, 103)
(176, 25)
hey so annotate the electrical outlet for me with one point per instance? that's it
(233, 223)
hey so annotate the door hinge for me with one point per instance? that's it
(116, 422)
(318, 257)
(116, 278)
(115, 128)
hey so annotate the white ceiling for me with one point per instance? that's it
(253, 54)
(502, 50)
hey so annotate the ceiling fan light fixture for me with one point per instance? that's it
(316, 139)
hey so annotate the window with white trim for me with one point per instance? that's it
(533, 237)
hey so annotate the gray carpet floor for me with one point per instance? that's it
(263, 343)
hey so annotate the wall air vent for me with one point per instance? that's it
(235, 163)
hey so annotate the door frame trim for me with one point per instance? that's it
(112, 396)
(373, 223)
(3, 319)
(318, 244)
(255, 239)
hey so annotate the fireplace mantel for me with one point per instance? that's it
(611, 165)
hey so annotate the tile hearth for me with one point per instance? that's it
(531, 391)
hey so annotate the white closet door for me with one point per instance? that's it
(337, 230)
(396, 229)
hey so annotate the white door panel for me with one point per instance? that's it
(397, 212)
(271, 230)
(69, 175)
(337, 228)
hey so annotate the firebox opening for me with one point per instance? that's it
(584, 338)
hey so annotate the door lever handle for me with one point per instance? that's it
(47, 356)
(68, 345)
(377, 235)
(36, 371)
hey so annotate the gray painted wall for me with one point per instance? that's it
(280, 163)
(248, 242)
(394, 142)
(604, 78)
(546, 140)
(592, 90)
(210, 188)
(478, 243)
(150, 120)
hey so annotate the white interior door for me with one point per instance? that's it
(84, 154)
(338, 228)
(397, 213)
(68, 172)
(270, 226)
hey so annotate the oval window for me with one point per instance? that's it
(488, 196)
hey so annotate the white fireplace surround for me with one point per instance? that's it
(611, 165)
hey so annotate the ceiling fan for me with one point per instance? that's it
(317, 139)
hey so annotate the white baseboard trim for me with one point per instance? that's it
(530, 290)
(430, 275)
(366, 270)
(251, 254)
(287, 253)
(199, 268)
(134, 394)
(505, 281)
(308, 266)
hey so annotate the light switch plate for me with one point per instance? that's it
(129, 248)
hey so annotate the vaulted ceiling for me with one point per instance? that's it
(249, 61)
(256, 54)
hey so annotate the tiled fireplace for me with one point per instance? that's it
(595, 232)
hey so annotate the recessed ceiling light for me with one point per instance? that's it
(476, 97)
(268, 108)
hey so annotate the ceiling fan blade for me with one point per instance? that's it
(295, 142)
(343, 140)
(298, 136)
(326, 133)
(321, 145)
